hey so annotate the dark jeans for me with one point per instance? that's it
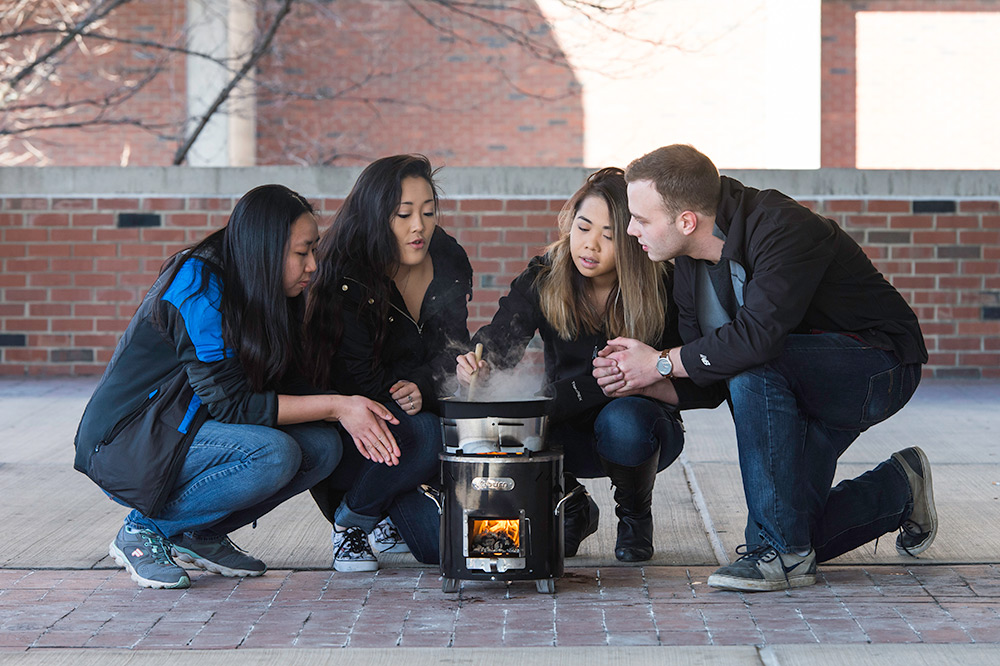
(626, 431)
(794, 417)
(360, 492)
(419, 523)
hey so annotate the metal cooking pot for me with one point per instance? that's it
(501, 426)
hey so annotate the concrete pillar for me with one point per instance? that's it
(223, 29)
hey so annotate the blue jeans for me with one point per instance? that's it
(235, 473)
(626, 431)
(360, 492)
(794, 417)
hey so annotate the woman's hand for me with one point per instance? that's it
(366, 421)
(467, 368)
(407, 396)
(625, 367)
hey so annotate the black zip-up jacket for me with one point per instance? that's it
(803, 274)
(568, 363)
(421, 351)
(171, 370)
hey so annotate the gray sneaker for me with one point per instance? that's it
(219, 556)
(917, 532)
(385, 538)
(351, 551)
(146, 557)
(763, 569)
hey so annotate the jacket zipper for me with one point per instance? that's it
(124, 423)
(420, 327)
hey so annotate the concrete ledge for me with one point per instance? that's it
(721, 655)
(475, 182)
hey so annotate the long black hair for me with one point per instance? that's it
(360, 244)
(259, 322)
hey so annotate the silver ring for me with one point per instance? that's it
(410, 397)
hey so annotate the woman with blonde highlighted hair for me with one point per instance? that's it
(573, 298)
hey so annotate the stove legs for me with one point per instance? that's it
(545, 586)
(449, 585)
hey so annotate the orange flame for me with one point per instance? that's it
(510, 528)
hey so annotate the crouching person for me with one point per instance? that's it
(194, 424)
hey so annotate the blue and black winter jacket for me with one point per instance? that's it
(170, 372)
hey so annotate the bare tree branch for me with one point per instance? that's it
(97, 13)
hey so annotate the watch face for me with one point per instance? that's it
(664, 366)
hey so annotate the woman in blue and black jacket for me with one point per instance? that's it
(198, 423)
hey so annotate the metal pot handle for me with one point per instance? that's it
(573, 493)
(434, 495)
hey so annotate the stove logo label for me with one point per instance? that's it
(492, 483)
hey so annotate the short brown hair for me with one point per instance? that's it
(685, 178)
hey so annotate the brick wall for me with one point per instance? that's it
(341, 84)
(74, 267)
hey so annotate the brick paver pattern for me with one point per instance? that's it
(405, 607)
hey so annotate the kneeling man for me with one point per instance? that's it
(814, 345)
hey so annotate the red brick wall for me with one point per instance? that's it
(70, 278)
(839, 80)
(101, 73)
(343, 83)
(388, 82)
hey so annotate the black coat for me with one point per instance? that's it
(803, 274)
(421, 351)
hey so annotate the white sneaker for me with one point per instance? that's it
(351, 551)
(385, 538)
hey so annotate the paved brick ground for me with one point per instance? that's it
(405, 607)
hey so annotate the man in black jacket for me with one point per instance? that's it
(814, 345)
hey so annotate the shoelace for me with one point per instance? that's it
(228, 543)
(355, 542)
(758, 551)
(909, 528)
(752, 551)
(388, 532)
(157, 547)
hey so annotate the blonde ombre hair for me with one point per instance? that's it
(636, 307)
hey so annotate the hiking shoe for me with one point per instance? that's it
(351, 551)
(917, 532)
(385, 538)
(219, 555)
(146, 557)
(762, 569)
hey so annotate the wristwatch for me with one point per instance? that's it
(663, 364)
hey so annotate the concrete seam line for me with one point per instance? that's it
(767, 656)
(702, 509)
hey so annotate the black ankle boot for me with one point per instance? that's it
(580, 516)
(634, 499)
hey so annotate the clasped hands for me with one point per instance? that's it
(626, 367)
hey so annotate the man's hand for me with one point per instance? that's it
(626, 367)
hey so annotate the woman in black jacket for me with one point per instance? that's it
(199, 423)
(572, 296)
(386, 315)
